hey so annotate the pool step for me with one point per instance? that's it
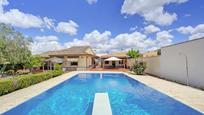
(101, 104)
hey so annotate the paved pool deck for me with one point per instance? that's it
(190, 96)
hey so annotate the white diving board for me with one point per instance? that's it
(101, 105)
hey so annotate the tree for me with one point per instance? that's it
(35, 61)
(2, 46)
(14, 47)
(133, 53)
(58, 67)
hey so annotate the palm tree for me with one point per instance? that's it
(133, 53)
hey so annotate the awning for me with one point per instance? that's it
(55, 60)
(113, 59)
(72, 59)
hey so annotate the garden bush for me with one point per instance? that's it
(56, 73)
(58, 67)
(12, 84)
(10, 72)
(21, 72)
(6, 86)
(139, 68)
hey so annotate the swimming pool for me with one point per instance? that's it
(127, 96)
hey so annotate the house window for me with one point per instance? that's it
(74, 63)
(106, 62)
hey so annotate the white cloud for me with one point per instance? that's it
(152, 49)
(47, 43)
(17, 18)
(151, 11)
(49, 23)
(44, 44)
(151, 29)
(194, 32)
(186, 30)
(42, 30)
(46, 38)
(199, 29)
(99, 41)
(97, 37)
(133, 28)
(3, 3)
(40, 47)
(104, 42)
(196, 36)
(150, 42)
(164, 38)
(67, 27)
(77, 42)
(91, 1)
(135, 39)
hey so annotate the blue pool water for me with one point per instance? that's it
(127, 97)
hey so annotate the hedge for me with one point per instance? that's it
(6, 86)
(12, 84)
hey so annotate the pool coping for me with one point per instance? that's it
(16, 98)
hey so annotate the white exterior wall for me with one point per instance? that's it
(130, 62)
(171, 64)
(153, 65)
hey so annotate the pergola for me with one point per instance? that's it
(52, 61)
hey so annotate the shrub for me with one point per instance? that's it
(58, 67)
(27, 80)
(10, 72)
(139, 68)
(6, 86)
(12, 84)
(23, 81)
(57, 72)
(21, 72)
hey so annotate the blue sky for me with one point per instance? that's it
(106, 25)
